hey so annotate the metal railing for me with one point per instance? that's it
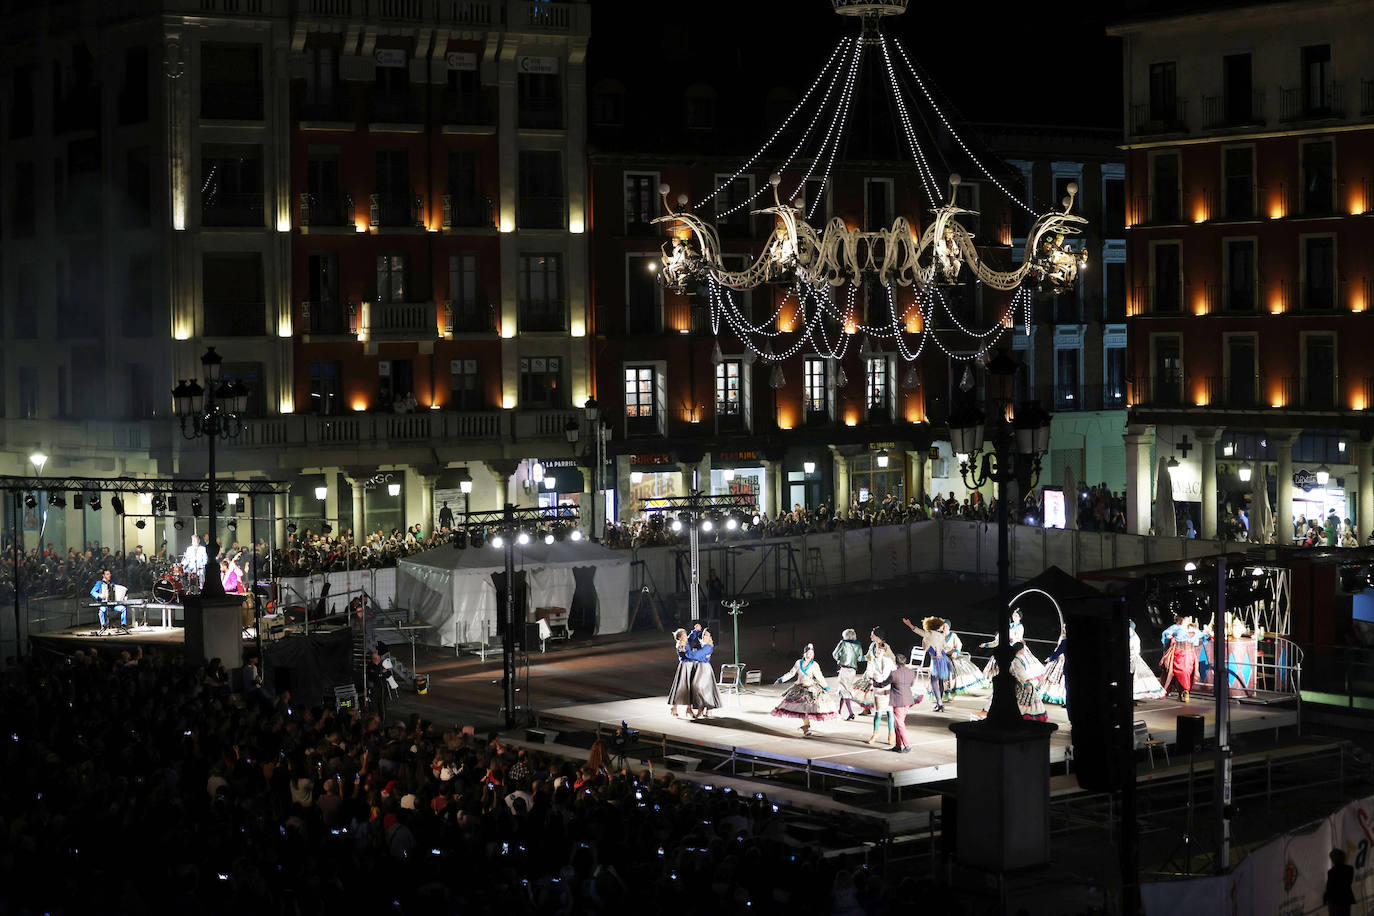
(243, 210)
(401, 321)
(1158, 300)
(1322, 100)
(545, 315)
(474, 317)
(1158, 209)
(396, 210)
(327, 318)
(1159, 118)
(1236, 110)
(469, 211)
(326, 209)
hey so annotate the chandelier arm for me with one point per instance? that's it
(841, 45)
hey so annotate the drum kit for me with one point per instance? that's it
(174, 585)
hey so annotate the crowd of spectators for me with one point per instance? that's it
(310, 552)
(48, 572)
(138, 784)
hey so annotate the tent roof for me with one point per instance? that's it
(1062, 585)
(537, 553)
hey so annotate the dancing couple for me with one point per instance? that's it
(694, 684)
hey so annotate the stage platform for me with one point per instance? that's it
(743, 739)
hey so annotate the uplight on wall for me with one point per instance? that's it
(579, 328)
(284, 326)
(508, 401)
(283, 224)
(576, 226)
(359, 406)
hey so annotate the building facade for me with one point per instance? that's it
(1248, 166)
(374, 210)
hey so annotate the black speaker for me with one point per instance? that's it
(1098, 689)
(1189, 731)
(531, 643)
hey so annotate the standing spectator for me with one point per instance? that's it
(1339, 896)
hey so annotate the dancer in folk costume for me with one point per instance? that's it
(811, 697)
(881, 662)
(1180, 657)
(702, 688)
(934, 633)
(1017, 631)
(1144, 685)
(847, 654)
(1027, 670)
(1052, 689)
(967, 677)
(680, 692)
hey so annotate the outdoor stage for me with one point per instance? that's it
(744, 739)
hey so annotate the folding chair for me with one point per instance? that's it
(729, 683)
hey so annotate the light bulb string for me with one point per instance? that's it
(922, 168)
(832, 138)
(843, 43)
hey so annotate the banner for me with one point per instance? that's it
(1285, 877)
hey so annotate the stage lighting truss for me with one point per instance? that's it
(522, 528)
(724, 511)
(821, 267)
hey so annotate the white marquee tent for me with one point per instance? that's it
(453, 590)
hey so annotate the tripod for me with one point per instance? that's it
(1183, 852)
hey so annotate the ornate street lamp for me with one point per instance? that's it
(1023, 434)
(211, 412)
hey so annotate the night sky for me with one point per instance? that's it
(1004, 64)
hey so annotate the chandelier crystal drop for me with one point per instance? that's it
(819, 267)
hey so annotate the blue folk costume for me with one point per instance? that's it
(701, 681)
(105, 592)
(967, 677)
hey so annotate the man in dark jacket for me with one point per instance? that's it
(902, 680)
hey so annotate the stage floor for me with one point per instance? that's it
(745, 737)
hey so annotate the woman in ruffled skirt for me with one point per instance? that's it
(680, 691)
(967, 677)
(809, 698)
(1052, 685)
(1017, 630)
(1027, 670)
(1144, 684)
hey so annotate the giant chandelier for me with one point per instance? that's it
(822, 268)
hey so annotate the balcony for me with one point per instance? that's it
(468, 211)
(1312, 103)
(328, 319)
(1162, 301)
(1157, 209)
(1176, 392)
(1223, 111)
(381, 431)
(548, 315)
(326, 211)
(396, 211)
(409, 321)
(1170, 117)
(244, 211)
(534, 15)
(467, 12)
(1156, 391)
(466, 110)
(477, 317)
(542, 213)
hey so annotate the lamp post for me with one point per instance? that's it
(210, 412)
(992, 753)
(596, 458)
(465, 484)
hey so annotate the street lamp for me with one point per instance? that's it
(596, 455)
(1026, 436)
(465, 484)
(1245, 472)
(211, 412)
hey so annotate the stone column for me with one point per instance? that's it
(331, 496)
(280, 506)
(357, 482)
(1283, 503)
(1139, 439)
(918, 476)
(772, 474)
(841, 471)
(426, 478)
(502, 469)
(1364, 522)
(1207, 447)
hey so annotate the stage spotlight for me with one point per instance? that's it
(560, 533)
(575, 534)
(30, 500)
(219, 507)
(498, 542)
(232, 524)
(677, 524)
(290, 527)
(78, 502)
(195, 506)
(172, 504)
(707, 524)
(460, 539)
(140, 524)
(731, 524)
(117, 503)
(522, 538)
(159, 502)
(477, 538)
(548, 538)
(94, 501)
(179, 524)
(57, 499)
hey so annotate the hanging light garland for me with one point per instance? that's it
(811, 264)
